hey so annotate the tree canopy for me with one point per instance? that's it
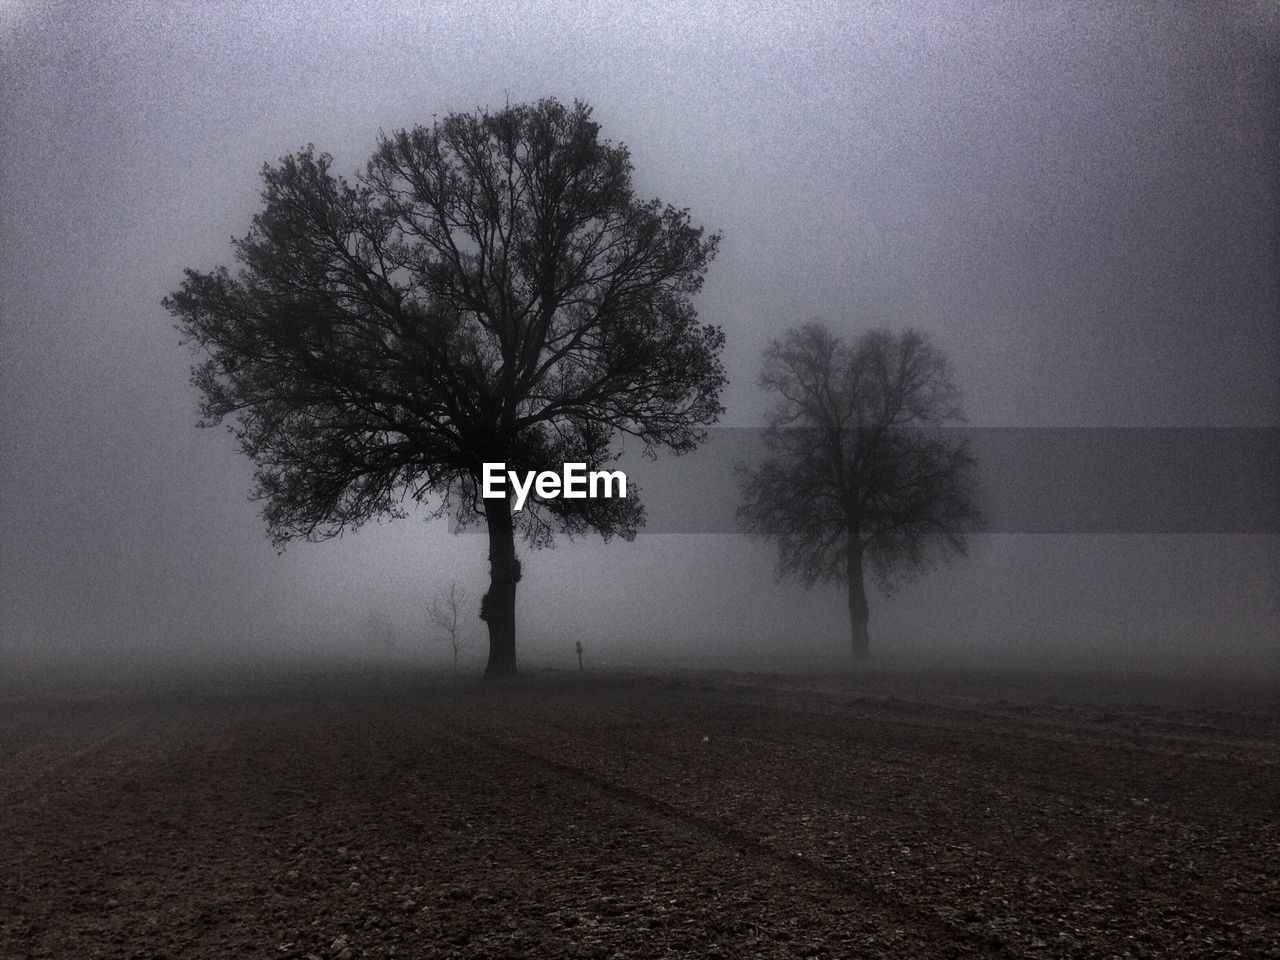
(857, 466)
(488, 289)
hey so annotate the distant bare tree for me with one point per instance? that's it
(856, 470)
(444, 611)
(379, 631)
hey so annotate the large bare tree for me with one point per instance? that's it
(858, 469)
(488, 289)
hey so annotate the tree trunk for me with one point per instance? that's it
(498, 608)
(859, 613)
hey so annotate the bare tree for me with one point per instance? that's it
(857, 470)
(379, 631)
(444, 611)
(489, 289)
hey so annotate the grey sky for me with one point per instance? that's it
(1079, 201)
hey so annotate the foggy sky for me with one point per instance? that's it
(1079, 202)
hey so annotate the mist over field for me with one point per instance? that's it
(1077, 202)
(988, 293)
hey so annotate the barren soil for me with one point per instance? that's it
(686, 815)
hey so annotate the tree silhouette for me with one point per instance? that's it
(857, 470)
(488, 289)
(445, 613)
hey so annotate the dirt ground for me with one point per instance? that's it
(685, 815)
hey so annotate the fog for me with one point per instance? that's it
(1078, 202)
